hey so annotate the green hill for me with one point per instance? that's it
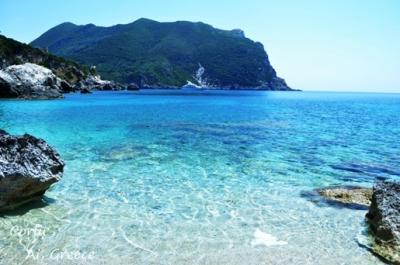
(154, 53)
(14, 52)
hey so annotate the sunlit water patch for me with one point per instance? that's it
(156, 177)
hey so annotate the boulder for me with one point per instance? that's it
(29, 81)
(384, 220)
(28, 166)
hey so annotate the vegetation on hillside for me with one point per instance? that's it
(14, 52)
(154, 53)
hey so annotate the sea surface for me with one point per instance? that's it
(218, 177)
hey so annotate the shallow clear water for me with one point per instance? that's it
(158, 177)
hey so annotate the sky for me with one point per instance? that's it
(341, 45)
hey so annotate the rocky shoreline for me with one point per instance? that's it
(382, 219)
(347, 196)
(32, 81)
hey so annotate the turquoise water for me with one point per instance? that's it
(158, 177)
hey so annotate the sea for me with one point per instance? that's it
(202, 177)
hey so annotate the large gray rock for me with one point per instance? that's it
(384, 220)
(29, 81)
(28, 166)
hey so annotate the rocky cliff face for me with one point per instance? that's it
(28, 166)
(30, 81)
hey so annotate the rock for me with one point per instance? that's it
(78, 86)
(85, 90)
(347, 195)
(28, 166)
(107, 87)
(132, 86)
(29, 81)
(66, 87)
(94, 82)
(384, 220)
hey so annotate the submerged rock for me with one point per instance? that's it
(29, 81)
(347, 195)
(353, 197)
(28, 166)
(384, 220)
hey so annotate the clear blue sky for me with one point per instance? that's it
(349, 45)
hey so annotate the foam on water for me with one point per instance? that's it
(155, 177)
(262, 238)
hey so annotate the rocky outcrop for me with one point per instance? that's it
(94, 82)
(384, 220)
(28, 166)
(347, 195)
(66, 87)
(353, 197)
(29, 81)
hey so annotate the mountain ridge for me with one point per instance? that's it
(154, 53)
